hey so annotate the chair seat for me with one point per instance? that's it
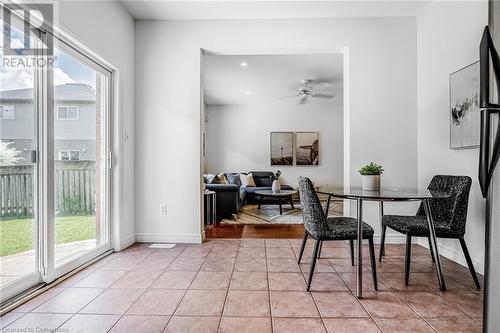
(417, 226)
(344, 228)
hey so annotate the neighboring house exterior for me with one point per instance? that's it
(75, 121)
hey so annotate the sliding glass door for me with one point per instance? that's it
(80, 146)
(55, 162)
(19, 222)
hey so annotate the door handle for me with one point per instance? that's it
(34, 156)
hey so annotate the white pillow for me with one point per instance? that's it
(247, 180)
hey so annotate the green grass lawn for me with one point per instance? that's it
(17, 235)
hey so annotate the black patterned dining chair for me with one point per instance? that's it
(449, 216)
(321, 228)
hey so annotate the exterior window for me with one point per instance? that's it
(69, 155)
(7, 112)
(68, 112)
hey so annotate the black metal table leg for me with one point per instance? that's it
(291, 202)
(281, 209)
(261, 201)
(327, 208)
(381, 213)
(359, 252)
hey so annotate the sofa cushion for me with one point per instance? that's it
(262, 178)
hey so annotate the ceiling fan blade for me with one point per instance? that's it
(320, 80)
(316, 95)
(289, 96)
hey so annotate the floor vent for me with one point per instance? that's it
(162, 246)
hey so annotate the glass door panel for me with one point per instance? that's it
(54, 144)
(80, 147)
(18, 176)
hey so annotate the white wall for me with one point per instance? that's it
(108, 30)
(448, 39)
(382, 76)
(238, 139)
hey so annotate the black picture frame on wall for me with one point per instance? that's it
(281, 148)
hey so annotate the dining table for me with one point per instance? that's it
(387, 195)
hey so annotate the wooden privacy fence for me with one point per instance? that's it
(74, 188)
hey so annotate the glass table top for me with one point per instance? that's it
(281, 193)
(393, 194)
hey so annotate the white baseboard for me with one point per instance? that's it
(456, 256)
(159, 238)
(390, 239)
(130, 240)
(193, 238)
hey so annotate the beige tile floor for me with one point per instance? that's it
(252, 285)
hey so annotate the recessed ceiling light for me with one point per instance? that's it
(248, 92)
(244, 64)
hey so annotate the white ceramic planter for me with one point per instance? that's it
(370, 183)
(276, 187)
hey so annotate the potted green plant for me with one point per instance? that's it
(370, 176)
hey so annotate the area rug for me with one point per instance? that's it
(270, 214)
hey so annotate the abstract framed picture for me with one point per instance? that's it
(281, 148)
(307, 148)
(464, 107)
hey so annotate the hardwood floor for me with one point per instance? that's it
(256, 231)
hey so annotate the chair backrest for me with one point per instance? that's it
(312, 211)
(451, 211)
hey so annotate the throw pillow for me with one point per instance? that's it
(247, 180)
(223, 178)
(208, 178)
(234, 178)
(216, 180)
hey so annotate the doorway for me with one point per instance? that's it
(249, 99)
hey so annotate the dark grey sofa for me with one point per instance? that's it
(263, 181)
(227, 199)
(231, 197)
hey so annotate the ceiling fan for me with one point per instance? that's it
(306, 90)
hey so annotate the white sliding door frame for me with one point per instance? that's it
(45, 268)
(36, 277)
(54, 271)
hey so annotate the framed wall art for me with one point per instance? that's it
(464, 107)
(307, 148)
(281, 148)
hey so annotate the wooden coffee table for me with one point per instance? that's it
(283, 195)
